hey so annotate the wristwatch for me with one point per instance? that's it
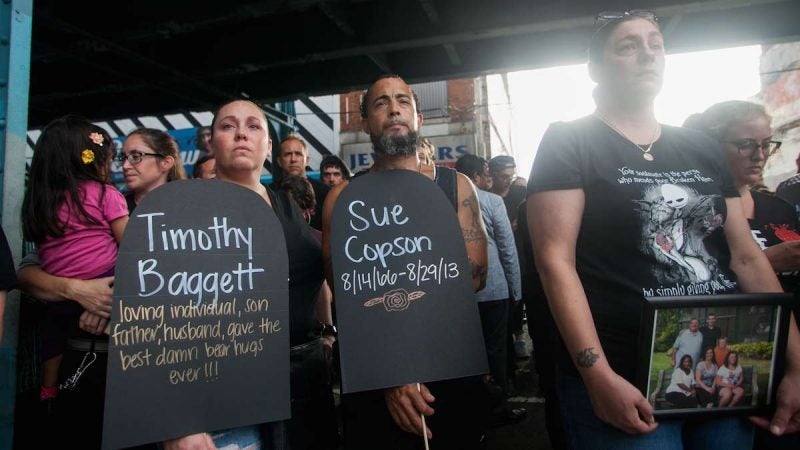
(326, 329)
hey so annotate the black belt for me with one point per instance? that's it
(85, 345)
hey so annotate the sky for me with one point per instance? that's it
(692, 82)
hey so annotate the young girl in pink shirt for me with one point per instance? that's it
(75, 218)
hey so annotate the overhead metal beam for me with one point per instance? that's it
(125, 52)
(430, 10)
(380, 60)
(484, 34)
(452, 54)
(336, 16)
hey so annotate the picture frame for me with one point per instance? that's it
(753, 327)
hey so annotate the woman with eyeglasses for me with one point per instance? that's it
(743, 129)
(620, 208)
(150, 158)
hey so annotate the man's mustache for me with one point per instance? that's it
(394, 122)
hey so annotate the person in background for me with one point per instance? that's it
(608, 238)
(205, 168)
(150, 158)
(502, 285)
(292, 159)
(332, 171)
(303, 194)
(201, 139)
(76, 219)
(503, 171)
(745, 133)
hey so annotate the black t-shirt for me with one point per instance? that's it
(775, 222)
(649, 228)
(130, 201)
(710, 336)
(305, 267)
(515, 196)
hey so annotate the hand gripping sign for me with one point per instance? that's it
(405, 306)
(199, 333)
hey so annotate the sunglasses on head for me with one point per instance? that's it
(606, 17)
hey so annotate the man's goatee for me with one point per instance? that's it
(403, 145)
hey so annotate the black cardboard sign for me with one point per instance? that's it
(405, 306)
(199, 336)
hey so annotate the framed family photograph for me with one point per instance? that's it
(714, 354)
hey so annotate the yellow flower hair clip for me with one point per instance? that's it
(97, 138)
(87, 156)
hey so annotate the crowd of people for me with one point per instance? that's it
(572, 243)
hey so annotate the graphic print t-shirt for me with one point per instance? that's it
(649, 228)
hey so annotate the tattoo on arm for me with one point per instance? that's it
(474, 232)
(586, 358)
(478, 271)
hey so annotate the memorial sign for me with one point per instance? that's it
(199, 336)
(406, 309)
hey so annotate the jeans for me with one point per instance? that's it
(585, 431)
(494, 322)
(313, 422)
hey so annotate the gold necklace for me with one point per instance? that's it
(646, 150)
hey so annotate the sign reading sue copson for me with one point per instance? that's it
(405, 305)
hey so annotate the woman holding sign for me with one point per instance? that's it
(241, 144)
(620, 207)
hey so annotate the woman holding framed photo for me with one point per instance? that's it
(622, 208)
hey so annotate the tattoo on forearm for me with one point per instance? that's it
(473, 235)
(478, 271)
(474, 232)
(586, 358)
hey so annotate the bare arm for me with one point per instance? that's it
(554, 235)
(93, 295)
(324, 300)
(471, 222)
(118, 227)
(200, 441)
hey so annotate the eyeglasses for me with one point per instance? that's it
(748, 147)
(606, 17)
(135, 157)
